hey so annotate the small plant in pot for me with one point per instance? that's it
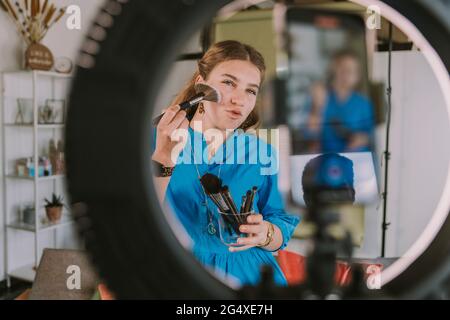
(53, 208)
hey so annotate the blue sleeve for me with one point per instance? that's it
(153, 140)
(363, 120)
(270, 205)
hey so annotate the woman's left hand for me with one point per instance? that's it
(257, 233)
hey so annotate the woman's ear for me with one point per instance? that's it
(199, 79)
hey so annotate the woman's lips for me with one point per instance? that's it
(234, 114)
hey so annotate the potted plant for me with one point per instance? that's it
(53, 208)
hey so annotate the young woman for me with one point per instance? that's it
(236, 70)
(341, 119)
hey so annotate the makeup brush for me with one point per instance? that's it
(219, 202)
(224, 211)
(211, 183)
(204, 93)
(247, 201)
(225, 192)
(228, 199)
(250, 201)
(243, 204)
(213, 186)
(232, 218)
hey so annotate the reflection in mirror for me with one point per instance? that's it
(328, 106)
(332, 175)
(283, 167)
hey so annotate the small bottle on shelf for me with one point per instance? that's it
(47, 166)
(30, 167)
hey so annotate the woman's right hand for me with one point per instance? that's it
(172, 120)
(319, 97)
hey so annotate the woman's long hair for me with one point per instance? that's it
(217, 53)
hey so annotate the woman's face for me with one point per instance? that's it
(238, 82)
(347, 73)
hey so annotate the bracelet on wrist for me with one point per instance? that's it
(159, 170)
(270, 234)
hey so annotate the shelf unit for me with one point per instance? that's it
(53, 177)
(37, 86)
(40, 126)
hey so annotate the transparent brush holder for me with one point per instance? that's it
(229, 224)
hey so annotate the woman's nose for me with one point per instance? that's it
(237, 97)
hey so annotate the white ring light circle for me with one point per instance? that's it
(440, 71)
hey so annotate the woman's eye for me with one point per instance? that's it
(228, 82)
(253, 92)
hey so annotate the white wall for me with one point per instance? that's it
(62, 42)
(419, 145)
(180, 73)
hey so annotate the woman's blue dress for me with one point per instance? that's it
(255, 164)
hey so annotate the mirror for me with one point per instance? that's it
(328, 109)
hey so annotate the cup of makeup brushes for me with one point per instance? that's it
(229, 224)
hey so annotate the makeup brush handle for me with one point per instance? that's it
(157, 119)
(231, 222)
(247, 201)
(183, 106)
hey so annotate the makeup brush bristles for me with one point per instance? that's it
(211, 183)
(211, 94)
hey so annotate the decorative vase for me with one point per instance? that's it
(53, 214)
(38, 57)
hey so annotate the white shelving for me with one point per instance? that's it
(39, 126)
(53, 177)
(42, 225)
(27, 272)
(21, 141)
(40, 73)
